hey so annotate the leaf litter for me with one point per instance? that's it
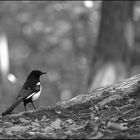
(94, 124)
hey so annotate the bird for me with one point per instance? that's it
(29, 92)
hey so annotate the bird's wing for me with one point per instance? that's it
(24, 93)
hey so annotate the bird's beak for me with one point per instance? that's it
(44, 73)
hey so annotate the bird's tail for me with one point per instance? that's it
(12, 107)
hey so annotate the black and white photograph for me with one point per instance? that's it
(70, 69)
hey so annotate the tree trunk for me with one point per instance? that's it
(115, 38)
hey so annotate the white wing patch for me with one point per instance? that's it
(34, 95)
(38, 83)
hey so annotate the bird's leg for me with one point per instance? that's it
(33, 105)
(25, 106)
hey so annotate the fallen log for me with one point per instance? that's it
(126, 89)
(104, 95)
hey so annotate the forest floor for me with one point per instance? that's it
(93, 119)
(109, 123)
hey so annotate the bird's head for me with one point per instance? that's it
(36, 73)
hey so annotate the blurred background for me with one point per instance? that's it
(81, 44)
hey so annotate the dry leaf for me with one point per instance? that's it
(44, 119)
(23, 120)
(78, 127)
(48, 129)
(56, 124)
(16, 128)
(35, 124)
(118, 126)
(97, 136)
(69, 133)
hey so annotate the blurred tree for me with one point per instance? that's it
(111, 57)
(53, 36)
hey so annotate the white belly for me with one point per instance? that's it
(36, 95)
